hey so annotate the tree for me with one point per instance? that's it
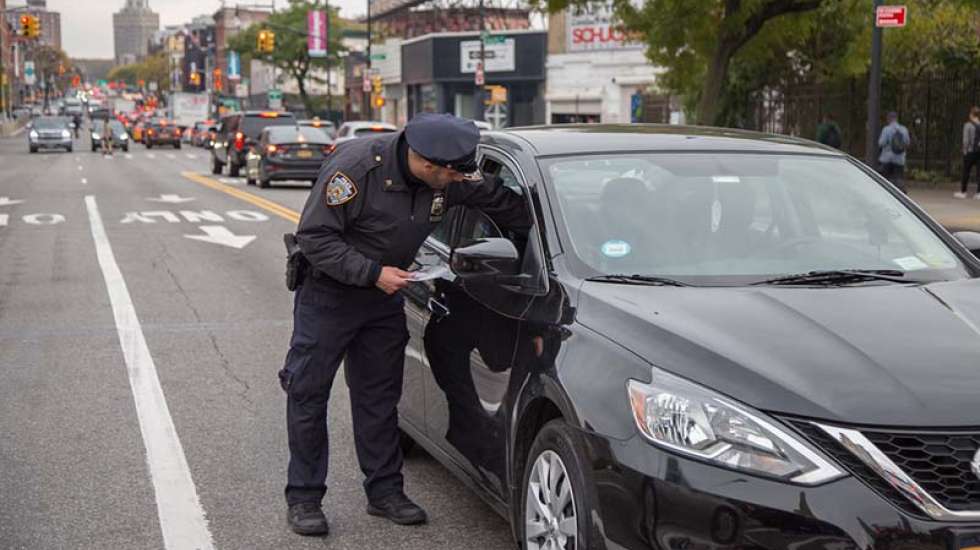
(290, 54)
(154, 68)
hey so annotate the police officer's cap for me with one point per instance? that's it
(445, 140)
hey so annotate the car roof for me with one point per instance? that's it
(367, 123)
(566, 139)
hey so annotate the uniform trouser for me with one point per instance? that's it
(969, 161)
(369, 327)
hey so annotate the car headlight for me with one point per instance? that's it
(690, 419)
(33, 134)
(66, 134)
(124, 136)
(96, 136)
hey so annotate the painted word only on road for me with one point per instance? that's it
(192, 216)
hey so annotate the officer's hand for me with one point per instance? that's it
(393, 279)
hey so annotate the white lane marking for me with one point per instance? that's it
(84, 181)
(78, 159)
(182, 519)
(79, 167)
(171, 156)
(7, 201)
(191, 156)
(219, 234)
(4, 218)
(129, 156)
(177, 199)
(43, 219)
(151, 156)
(229, 180)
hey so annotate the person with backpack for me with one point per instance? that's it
(828, 132)
(971, 152)
(894, 142)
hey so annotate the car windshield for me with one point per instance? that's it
(253, 125)
(288, 134)
(51, 123)
(728, 218)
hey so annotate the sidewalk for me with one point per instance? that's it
(954, 214)
(10, 128)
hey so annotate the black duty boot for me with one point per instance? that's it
(398, 508)
(306, 518)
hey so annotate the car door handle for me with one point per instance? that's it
(437, 308)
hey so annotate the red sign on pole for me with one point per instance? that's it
(317, 33)
(479, 79)
(890, 16)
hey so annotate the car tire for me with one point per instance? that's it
(233, 170)
(69, 148)
(558, 445)
(125, 148)
(33, 149)
(93, 147)
(249, 181)
(149, 145)
(216, 166)
(263, 181)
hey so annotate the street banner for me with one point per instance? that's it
(30, 77)
(234, 66)
(318, 33)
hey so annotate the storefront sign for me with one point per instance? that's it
(596, 29)
(499, 56)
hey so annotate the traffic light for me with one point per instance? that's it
(25, 25)
(266, 41)
(216, 78)
(34, 26)
(379, 101)
(195, 79)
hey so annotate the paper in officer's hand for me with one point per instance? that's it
(429, 272)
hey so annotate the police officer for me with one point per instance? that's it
(374, 203)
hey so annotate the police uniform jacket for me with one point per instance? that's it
(362, 215)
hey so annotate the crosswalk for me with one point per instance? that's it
(147, 155)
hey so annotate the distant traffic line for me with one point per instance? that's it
(261, 202)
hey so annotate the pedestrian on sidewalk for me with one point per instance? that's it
(971, 152)
(894, 143)
(829, 133)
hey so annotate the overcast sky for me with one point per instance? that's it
(86, 25)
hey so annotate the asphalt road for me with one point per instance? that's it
(87, 447)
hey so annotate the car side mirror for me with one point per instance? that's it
(486, 260)
(969, 239)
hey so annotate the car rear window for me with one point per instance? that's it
(252, 126)
(288, 134)
(371, 130)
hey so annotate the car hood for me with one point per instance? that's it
(891, 355)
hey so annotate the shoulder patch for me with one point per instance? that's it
(340, 189)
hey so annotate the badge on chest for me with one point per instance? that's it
(438, 207)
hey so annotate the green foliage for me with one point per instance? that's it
(941, 36)
(152, 69)
(290, 55)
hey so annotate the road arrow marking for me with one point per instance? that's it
(176, 199)
(4, 218)
(219, 234)
(171, 156)
(151, 156)
(191, 156)
(129, 156)
(84, 181)
(6, 201)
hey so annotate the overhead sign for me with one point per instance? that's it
(498, 94)
(275, 99)
(317, 33)
(30, 77)
(234, 66)
(595, 29)
(499, 56)
(890, 16)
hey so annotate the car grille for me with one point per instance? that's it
(938, 461)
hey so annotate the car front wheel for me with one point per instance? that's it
(558, 494)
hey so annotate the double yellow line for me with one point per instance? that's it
(256, 200)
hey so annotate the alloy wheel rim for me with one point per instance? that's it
(550, 521)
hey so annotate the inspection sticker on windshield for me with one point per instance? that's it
(616, 249)
(910, 263)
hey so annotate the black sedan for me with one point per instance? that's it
(707, 339)
(162, 132)
(287, 153)
(119, 135)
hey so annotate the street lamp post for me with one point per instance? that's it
(874, 91)
(481, 69)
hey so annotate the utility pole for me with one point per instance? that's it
(481, 68)
(874, 91)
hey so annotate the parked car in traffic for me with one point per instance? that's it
(326, 125)
(700, 338)
(361, 128)
(287, 153)
(201, 132)
(238, 132)
(49, 132)
(162, 132)
(119, 137)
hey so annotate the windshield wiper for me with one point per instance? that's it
(839, 277)
(637, 280)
